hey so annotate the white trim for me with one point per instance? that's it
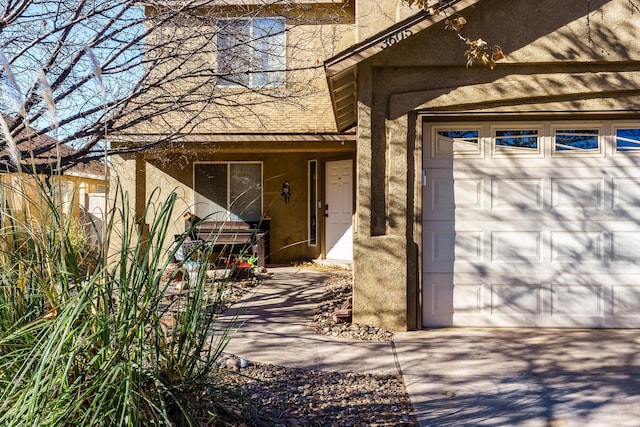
(309, 204)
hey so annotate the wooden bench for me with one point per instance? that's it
(232, 237)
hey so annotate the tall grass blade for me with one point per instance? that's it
(83, 342)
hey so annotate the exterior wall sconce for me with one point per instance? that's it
(286, 191)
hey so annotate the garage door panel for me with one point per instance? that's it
(533, 304)
(529, 247)
(578, 246)
(577, 193)
(573, 198)
(517, 194)
(438, 299)
(530, 241)
(552, 300)
(469, 298)
(469, 194)
(626, 192)
(625, 246)
(444, 300)
(578, 300)
(516, 247)
(626, 300)
(516, 299)
(446, 246)
(443, 196)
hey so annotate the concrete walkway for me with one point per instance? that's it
(274, 328)
(456, 377)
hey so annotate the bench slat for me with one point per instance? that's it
(228, 233)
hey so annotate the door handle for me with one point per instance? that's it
(326, 210)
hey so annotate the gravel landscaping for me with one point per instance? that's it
(280, 396)
(338, 289)
(256, 394)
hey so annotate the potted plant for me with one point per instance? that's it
(242, 267)
(195, 256)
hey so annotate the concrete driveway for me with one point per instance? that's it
(522, 377)
(456, 377)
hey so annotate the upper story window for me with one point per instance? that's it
(251, 52)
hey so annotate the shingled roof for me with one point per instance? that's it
(42, 149)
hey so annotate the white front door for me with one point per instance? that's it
(339, 210)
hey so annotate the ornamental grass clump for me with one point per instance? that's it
(87, 335)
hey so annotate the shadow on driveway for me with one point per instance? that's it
(455, 377)
(522, 377)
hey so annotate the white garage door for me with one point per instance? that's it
(531, 224)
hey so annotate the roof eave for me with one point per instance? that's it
(341, 69)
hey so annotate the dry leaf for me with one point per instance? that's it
(497, 53)
(455, 23)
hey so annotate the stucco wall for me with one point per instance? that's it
(159, 175)
(551, 66)
(373, 16)
(314, 32)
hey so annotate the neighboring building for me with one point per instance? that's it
(88, 184)
(497, 198)
(503, 197)
(80, 189)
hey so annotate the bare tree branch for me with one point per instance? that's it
(125, 67)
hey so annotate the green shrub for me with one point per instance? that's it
(99, 343)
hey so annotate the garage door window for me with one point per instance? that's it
(461, 142)
(627, 140)
(517, 142)
(469, 137)
(577, 141)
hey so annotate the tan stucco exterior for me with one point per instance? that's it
(283, 128)
(376, 16)
(314, 32)
(552, 67)
(288, 232)
(571, 59)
